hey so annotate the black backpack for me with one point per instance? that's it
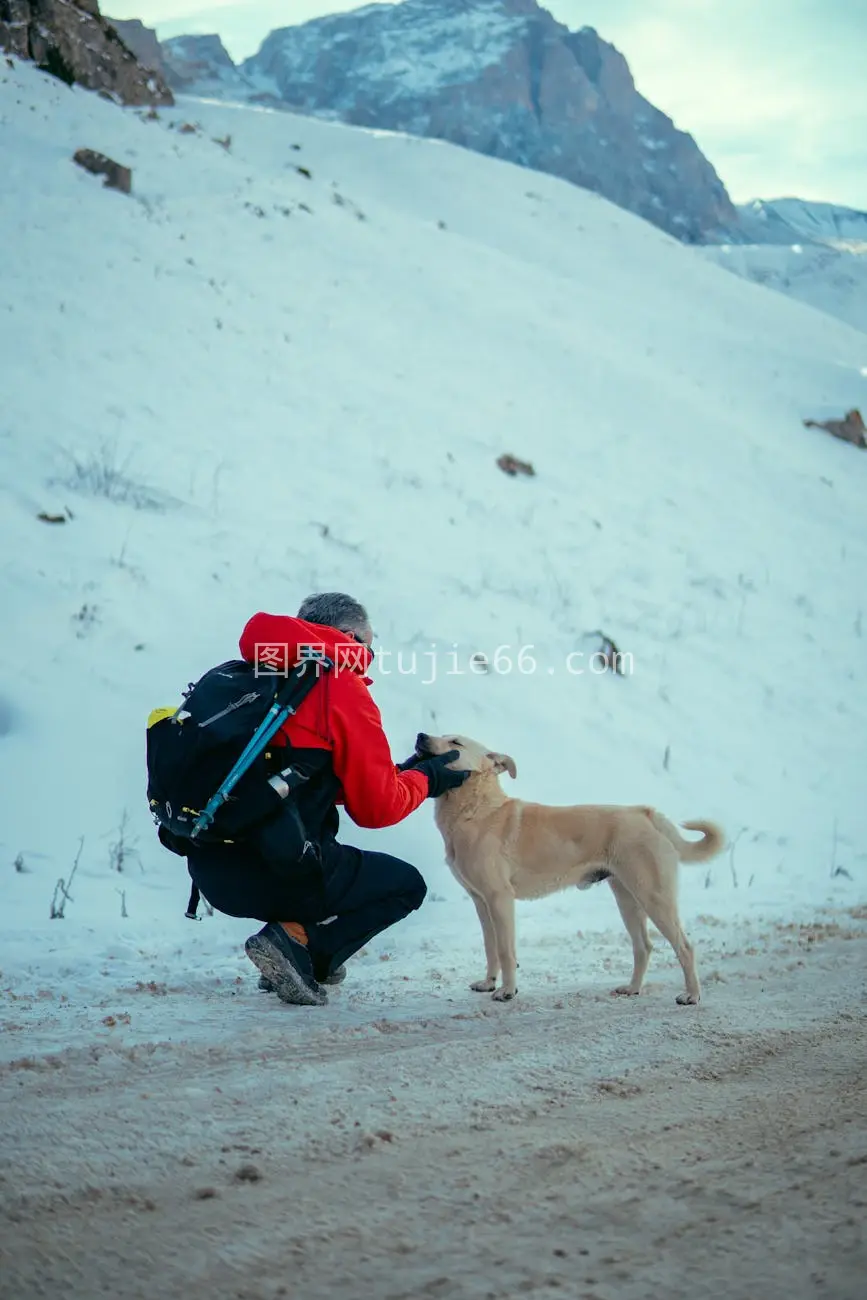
(209, 778)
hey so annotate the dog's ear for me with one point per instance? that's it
(504, 763)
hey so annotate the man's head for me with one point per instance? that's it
(334, 609)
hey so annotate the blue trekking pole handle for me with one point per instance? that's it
(267, 728)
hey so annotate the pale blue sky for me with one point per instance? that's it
(774, 91)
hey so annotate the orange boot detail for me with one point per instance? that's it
(295, 931)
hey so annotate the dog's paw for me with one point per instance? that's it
(625, 991)
(484, 986)
(504, 995)
(687, 999)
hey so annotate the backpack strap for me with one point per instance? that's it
(192, 911)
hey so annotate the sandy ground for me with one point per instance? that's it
(570, 1144)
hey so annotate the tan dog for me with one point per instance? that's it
(501, 849)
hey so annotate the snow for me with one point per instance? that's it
(244, 385)
(816, 252)
(831, 278)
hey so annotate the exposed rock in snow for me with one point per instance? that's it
(71, 40)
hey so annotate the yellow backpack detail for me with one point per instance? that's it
(157, 715)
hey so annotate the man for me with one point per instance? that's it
(321, 901)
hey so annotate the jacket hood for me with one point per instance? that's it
(280, 641)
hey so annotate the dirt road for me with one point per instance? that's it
(568, 1145)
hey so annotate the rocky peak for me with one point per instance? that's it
(208, 50)
(602, 64)
(141, 40)
(71, 40)
(201, 64)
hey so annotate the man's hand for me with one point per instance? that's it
(411, 762)
(441, 777)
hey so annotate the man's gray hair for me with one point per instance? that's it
(334, 609)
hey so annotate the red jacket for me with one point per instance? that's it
(339, 715)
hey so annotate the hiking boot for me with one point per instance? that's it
(336, 977)
(285, 964)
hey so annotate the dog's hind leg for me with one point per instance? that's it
(668, 924)
(489, 983)
(502, 909)
(635, 920)
(651, 876)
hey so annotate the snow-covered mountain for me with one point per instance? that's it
(200, 65)
(792, 221)
(502, 77)
(289, 361)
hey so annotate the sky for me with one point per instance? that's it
(773, 91)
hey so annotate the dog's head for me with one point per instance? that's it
(472, 757)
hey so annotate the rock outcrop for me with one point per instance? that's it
(71, 40)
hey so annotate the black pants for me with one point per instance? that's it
(363, 892)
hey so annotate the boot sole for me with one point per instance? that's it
(287, 982)
(336, 977)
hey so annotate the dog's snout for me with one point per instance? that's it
(424, 745)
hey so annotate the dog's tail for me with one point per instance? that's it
(692, 850)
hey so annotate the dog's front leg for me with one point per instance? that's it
(502, 909)
(489, 983)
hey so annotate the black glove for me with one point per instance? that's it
(440, 777)
(411, 762)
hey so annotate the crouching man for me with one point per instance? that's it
(321, 901)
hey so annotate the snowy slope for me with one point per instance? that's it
(834, 280)
(815, 252)
(245, 383)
